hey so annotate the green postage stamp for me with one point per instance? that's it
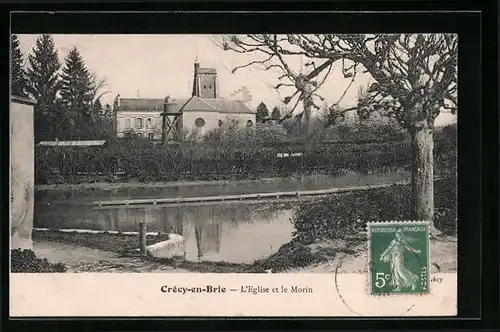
(399, 257)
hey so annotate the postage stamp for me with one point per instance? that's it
(398, 257)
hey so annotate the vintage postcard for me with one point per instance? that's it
(233, 175)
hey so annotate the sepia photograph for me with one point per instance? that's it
(330, 154)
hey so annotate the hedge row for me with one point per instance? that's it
(143, 162)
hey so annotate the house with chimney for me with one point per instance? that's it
(199, 114)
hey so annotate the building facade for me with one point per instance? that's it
(203, 112)
(22, 169)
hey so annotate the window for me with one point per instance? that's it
(138, 123)
(249, 123)
(151, 136)
(220, 123)
(127, 123)
(209, 86)
(139, 135)
(149, 123)
(199, 122)
(204, 87)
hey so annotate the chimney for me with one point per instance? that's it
(196, 87)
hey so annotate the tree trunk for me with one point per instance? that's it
(307, 111)
(422, 174)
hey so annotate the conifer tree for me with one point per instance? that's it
(262, 112)
(42, 73)
(18, 74)
(43, 85)
(76, 84)
(276, 113)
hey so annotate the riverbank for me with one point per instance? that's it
(340, 256)
(88, 192)
(111, 252)
(136, 184)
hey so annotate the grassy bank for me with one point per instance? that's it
(330, 220)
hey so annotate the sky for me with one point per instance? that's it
(154, 66)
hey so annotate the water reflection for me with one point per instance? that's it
(233, 232)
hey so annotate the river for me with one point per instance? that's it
(238, 232)
(231, 232)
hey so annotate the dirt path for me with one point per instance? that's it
(83, 259)
(443, 258)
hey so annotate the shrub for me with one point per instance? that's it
(371, 131)
(346, 214)
(445, 148)
(25, 261)
(290, 255)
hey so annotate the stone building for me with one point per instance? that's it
(204, 111)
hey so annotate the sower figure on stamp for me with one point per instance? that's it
(394, 255)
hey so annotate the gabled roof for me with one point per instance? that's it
(198, 104)
(150, 104)
(220, 105)
(73, 143)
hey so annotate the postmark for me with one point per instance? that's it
(398, 258)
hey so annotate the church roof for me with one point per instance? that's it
(198, 104)
(229, 106)
(192, 104)
(150, 104)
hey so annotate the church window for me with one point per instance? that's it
(199, 122)
(249, 123)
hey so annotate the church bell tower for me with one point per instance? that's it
(205, 82)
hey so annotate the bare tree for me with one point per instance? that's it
(415, 78)
(98, 90)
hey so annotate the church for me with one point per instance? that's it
(203, 112)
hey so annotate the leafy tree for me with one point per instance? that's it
(43, 85)
(415, 74)
(276, 113)
(18, 74)
(262, 112)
